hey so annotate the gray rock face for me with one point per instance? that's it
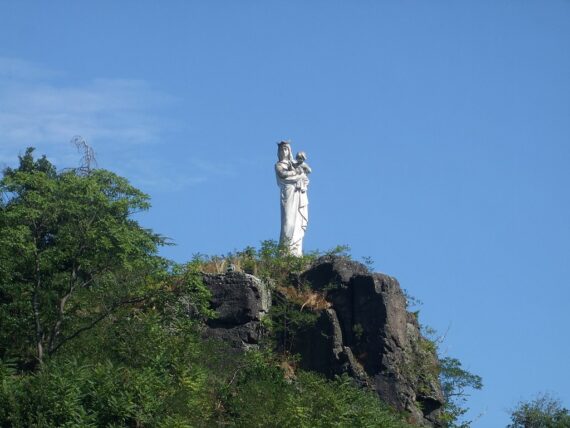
(372, 337)
(366, 332)
(240, 301)
(322, 349)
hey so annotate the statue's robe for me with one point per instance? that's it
(294, 206)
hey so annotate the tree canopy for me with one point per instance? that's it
(70, 253)
(545, 411)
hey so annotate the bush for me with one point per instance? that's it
(544, 411)
(262, 397)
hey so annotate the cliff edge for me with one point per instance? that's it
(360, 328)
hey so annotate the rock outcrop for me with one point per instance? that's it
(372, 337)
(240, 301)
(365, 331)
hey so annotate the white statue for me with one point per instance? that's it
(293, 180)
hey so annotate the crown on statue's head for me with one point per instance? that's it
(283, 142)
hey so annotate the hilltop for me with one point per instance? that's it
(96, 329)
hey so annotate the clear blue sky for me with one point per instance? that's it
(438, 133)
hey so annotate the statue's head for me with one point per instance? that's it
(284, 151)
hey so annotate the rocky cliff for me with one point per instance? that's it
(363, 330)
(240, 301)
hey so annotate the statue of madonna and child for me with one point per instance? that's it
(292, 178)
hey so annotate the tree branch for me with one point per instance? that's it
(36, 308)
(55, 331)
(95, 321)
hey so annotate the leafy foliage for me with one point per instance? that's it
(544, 411)
(309, 401)
(70, 254)
(455, 381)
(142, 366)
(142, 373)
(287, 318)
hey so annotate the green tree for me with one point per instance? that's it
(544, 411)
(455, 381)
(70, 254)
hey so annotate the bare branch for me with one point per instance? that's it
(88, 160)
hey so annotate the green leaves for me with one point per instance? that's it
(261, 397)
(70, 253)
(455, 381)
(545, 411)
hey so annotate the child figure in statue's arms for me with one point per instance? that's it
(300, 165)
